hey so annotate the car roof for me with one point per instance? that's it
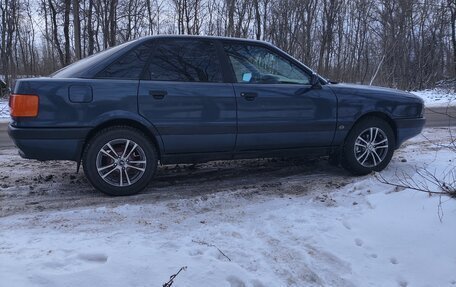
(224, 38)
(88, 67)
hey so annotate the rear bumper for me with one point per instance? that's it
(408, 128)
(49, 143)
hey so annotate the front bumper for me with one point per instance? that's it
(49, 143)
(408, 128)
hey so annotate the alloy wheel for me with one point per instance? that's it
(371, 147)
(121, 162)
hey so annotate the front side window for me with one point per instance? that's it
(185, 61)
(128, 66)
(259, 65)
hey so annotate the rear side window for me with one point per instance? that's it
(185, 61)
(80, 68)
(130, 65)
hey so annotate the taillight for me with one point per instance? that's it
(24, 105)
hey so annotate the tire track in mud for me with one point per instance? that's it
(32, 186)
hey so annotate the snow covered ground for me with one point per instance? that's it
(437, 97)
(4, 109)
(242, 223)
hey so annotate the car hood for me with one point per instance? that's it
(373, 91)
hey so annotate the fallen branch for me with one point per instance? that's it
(3, 108)
(409, 183)
(447, 185)
(172, 277)
(211, 245)
(442, 183)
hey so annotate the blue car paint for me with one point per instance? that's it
(202, 121)
(356, 101)
(285, 116)
(201, 115)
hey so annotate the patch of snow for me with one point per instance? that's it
(4, 109)
(437, 97)
(363, 233)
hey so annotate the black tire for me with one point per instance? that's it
(112, 152)
(375, 157)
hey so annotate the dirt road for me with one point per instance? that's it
(438, 117)
(24, 182)
(30, 186)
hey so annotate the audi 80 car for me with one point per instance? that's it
(188, 99)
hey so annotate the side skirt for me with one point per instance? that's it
(205, 157)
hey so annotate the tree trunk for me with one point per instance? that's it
(112, 23)
(257, 19)
(66, 31)
(77, 29)
(56, 33)
(452, 6)
(90, 34)
(230, 28)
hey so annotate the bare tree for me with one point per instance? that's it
(66, 31)
(77, 30)
(55, 32)
(452, 8)
(10, 15)
(407, 44)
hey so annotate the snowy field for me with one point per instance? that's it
(241, 223)
(437, 97)
(4, 109)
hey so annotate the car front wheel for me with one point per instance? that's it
(368, 147)
(120, 161)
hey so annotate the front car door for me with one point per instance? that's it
(277, 105)
(184, 95)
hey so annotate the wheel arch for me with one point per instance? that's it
(347, 156)
(149, 131)
(335, 154)
(376, 114)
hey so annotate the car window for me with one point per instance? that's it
(185, 61)
(130, 65)
(257, 64)
(80, 67)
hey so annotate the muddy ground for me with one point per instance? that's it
(30, 186)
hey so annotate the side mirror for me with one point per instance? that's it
(315, 81)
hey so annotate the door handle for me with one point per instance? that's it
(158, 95)
(249, 96)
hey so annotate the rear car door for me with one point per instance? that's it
(184, 95)
(277, 106)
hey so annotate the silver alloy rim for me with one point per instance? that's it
(371, 147)
(121, 162)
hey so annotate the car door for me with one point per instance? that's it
(277, 105)
(184, 95)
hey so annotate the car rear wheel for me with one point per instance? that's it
(120, 161)
(368, 147)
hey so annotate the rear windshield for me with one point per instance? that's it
(79, 68)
